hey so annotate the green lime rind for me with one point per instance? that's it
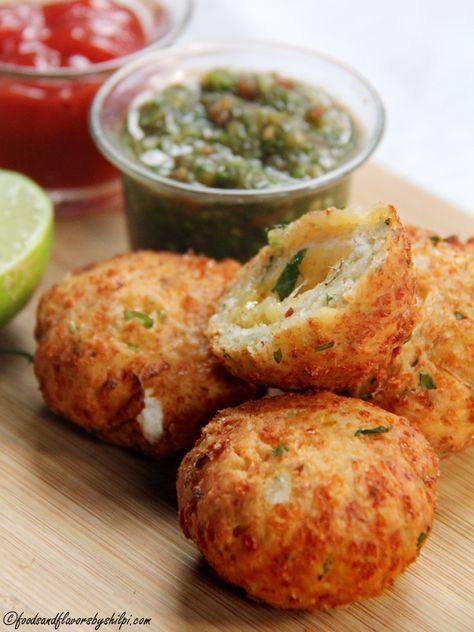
(26, 234)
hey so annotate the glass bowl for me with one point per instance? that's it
(44, 117)
(163, 214)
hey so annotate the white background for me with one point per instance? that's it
(419, 54)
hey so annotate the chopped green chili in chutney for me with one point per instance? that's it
(239, 130)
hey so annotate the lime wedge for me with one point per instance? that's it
(26, 231)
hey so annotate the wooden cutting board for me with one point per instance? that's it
(86, 527)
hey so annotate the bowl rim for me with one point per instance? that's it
(106, 67)
(140, 172)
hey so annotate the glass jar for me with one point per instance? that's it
(164, 214)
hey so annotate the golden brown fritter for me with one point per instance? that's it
(121, 349)
(308, 500)
(431, 382)
(326, 304)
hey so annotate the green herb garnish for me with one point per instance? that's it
(144, 318)
(367, 396)
(435, 239)
(278, 451)
(326, 566)
(18, 352)
(459, 316)
(426, 380)
(421, 538)
(227, 356)
(369, 431)
(387, 221)
(326, 345)
(161, 313)
(287, 279)
(72, 326)
(329, 298)
(277, 356)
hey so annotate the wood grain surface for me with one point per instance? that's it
(86, 527)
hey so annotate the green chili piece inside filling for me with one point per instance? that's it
(287, 280)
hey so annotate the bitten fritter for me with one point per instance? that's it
(308, 500)
(431, 382)
(326, 304)
(121, 349)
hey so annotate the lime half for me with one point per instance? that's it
(26, 231)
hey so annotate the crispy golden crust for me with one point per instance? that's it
(283, 499)
(343, 336)
(442, 346)
(98, 369)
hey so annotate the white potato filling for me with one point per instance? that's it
(151, 417)
(278, 489)
(337, 255)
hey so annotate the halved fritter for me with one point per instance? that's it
(121, 349)
(308, 500)
(326, 304)
(431, 382)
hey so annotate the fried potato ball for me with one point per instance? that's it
(121, 349)
(431, 382)
(326, 304)
(308, 500)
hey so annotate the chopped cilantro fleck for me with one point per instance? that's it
(387, 221)
(18, 352)
(426, 380)
(326, 345)
(421, 538)
(277, 356)
(327, 566)
(369, 431)
(459, 316)
(329, 298)
(367, 396)
(144, 318)
(435, 239)
(227, 356)
(287, 279)
(278, 451)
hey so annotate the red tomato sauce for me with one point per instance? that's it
(44, 121)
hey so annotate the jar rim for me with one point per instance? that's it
(105, 67)
(140, 172)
